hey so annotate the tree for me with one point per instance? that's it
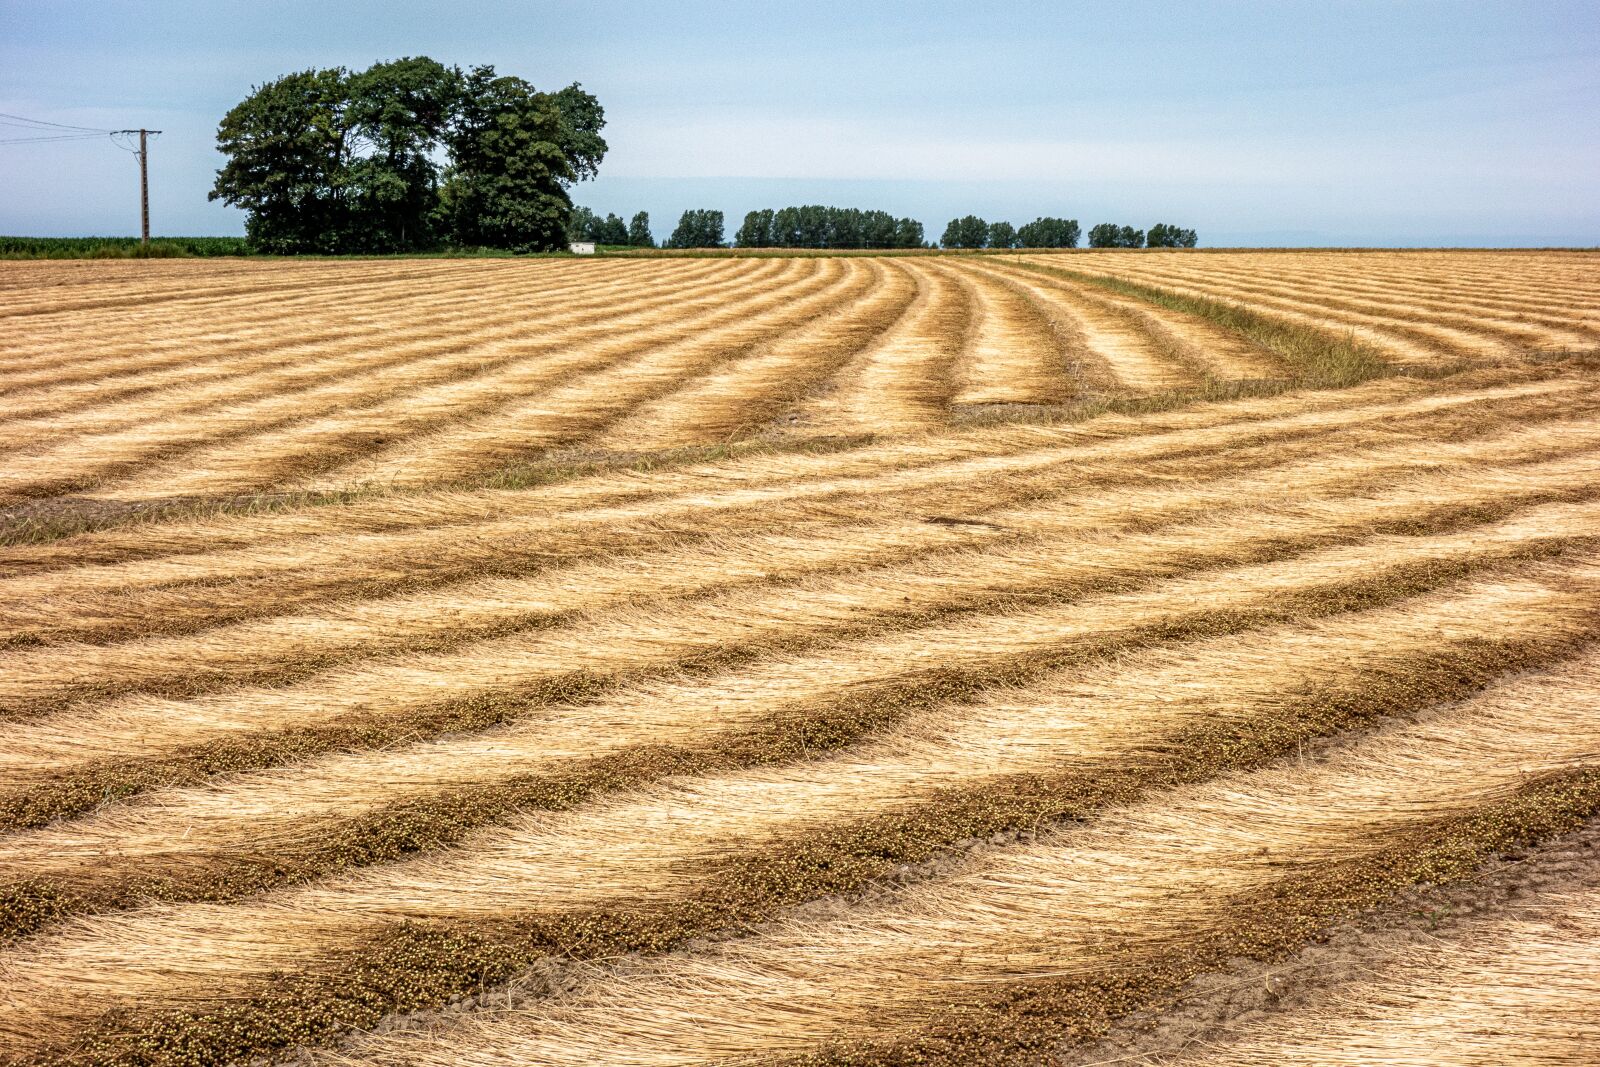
(288, 149)
(331, 161)
(582, 224)
(756, 231)
(611, 231)
(697, 229)
(397, 113)
(639, 231)
(1110, 235)
(1163, 235)
(1002, 235)
(908, 234)
(1045, 232)
(582, 119)
(969, 231)
(877, 229)
(506, 187)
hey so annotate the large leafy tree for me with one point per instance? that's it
(582, 119)
(582, 224)
(288, 146)
(756, 230)
(820, 226)
(507, 182)
(908, 234)
(398, 113)
(1002, 235)
(334, 161)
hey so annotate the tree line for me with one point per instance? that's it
(339, 161)
(817, 226)
(584, 225)
(1161, 235)
(411, 155)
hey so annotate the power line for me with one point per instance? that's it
(56, 132)
(60, 137)
(35, 123)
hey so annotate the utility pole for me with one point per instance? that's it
(144, 188)
(143, 154)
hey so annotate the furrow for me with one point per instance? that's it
(1013, 354)
(415, 510)
(374, 419)
(189, 351)
(480, 607)
(302, 392)
(1443, 339)
(1185, 340)
(1398, 344)
(1079, 728)
(1506, 331)
(1522, 989)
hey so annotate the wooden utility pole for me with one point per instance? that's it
(143, 153)
(144, 188)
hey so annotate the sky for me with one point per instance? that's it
(1334, 122)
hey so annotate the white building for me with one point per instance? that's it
(581, 248)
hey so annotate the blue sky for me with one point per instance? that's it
(1385, 123)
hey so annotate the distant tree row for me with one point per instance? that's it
(697, 228)
(818, 226)
(585, 225)
(970, 231)
(1162, 235)
(337, 161)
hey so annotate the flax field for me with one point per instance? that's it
(808, 661)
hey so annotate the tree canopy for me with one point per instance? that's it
(697, 228)
(584, 225)
(1163, 235)
(820, 226)
(335, 161)
(1110, 235)
(1048, 232)
(1002, 235)
(639, 231)
(969, 231)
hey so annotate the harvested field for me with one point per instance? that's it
(800, 660)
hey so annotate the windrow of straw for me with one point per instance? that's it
(589, 403)
(279, 647)
(232, 409)
(252, 521)
(828, 660)
(339, 560)
(972, 624)
(1523, 988)
(958, 765)
(1193, 868)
